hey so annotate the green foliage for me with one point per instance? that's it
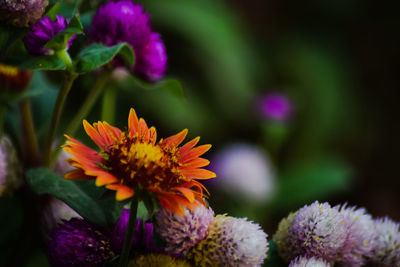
(82, 196)
(310, 180)
(60, 40)
(97, 55)
(43, 63)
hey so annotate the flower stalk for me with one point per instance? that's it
(68, 80)
(129, 233)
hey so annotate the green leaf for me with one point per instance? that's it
(53, 11)
(43, 63)
(60, 40)
(172, 86)
(7, 98)
(311, 180)
(82, 196)
(97, 55)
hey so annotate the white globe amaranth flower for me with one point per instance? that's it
(317, 230)
(61, 166)
(182, 232)
(281, 237)
(231, 242)
(10, 168)
(360, 237)
(387, 242)
(246, 170)
(308, 262)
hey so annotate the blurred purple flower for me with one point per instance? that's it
(124, 21)
(245, 170)
(78, 243)
(42, 32)
(276, 106)
(142, 235)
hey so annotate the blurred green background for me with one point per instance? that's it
(337, 61)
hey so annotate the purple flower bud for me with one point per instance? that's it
(142, 237)
(124, 21)
(78, 243)
(22, 12)
(276, 106)
(42, 32)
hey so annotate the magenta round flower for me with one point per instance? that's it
(276, 106)
(182, 232)
(78, 243)
(308, 262)
(124, 21)
(231, 242)
(142, 237)
(42, 32)
(317, 230)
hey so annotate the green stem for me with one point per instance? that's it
(129, 233)
(90, 100)
(30, 143)
(62, 96)
(3, 110)
(108, 105)
(64, 56)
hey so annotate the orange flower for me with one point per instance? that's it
(133, 158)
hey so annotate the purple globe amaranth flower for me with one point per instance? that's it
(276, 106)
(124, 21)
(231, 242)
(387, 242)
(246, 170)
(142, 237)
(42, 32)
(78, 243)
(22, 12)
(317, 230)
(360, 237)
(308, 262)
(182, 232)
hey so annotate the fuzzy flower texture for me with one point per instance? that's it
(22, 12)
(42, 32)
(124, 21)
(344, 235)
(134, 158)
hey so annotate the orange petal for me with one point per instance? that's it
(176, 139)
(77, 175)
(153, 135)
(186, 192)
(143, 130)
(114, 131)
(198, 174)
(94, 135)
(133, 122)
(108, 139)
(189, 145)
(196, 163)
(123, 191)
(194, 153)
(106, 178)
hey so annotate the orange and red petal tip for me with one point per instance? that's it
(123, 191)
(105, 179)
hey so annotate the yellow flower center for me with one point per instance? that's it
(136, 162)
(8, 70)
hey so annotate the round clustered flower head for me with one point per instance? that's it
(231, 242)
(132, 159)
(78, 243)
(22, 13)
(281, 236)
(13, 79)
(142, 234)
(317, 230)
(61, 166)
(360, 236)
(42, 32)
(276, 106)
(308, 262)
(124, 21)
(159, 260)
(246, 170)
(182, 232)
(10, 167)
(387, 242)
